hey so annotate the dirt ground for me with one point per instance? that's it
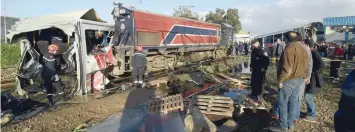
(67, 117)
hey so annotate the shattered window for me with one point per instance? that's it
(96, 40)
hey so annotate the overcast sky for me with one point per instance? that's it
(257, 16)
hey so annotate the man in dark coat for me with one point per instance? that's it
(139, 65)
(316, 82)
(246, 48)
(259, 63)
(351, 51)
(344, 117)
(278, 48)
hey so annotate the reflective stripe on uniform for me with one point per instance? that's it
(141, 54)
(49, 59)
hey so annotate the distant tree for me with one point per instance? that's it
(216, 16)
(185, 11)
(231, 17)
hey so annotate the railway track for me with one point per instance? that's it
(155, 75)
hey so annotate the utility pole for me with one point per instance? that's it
(5, 32)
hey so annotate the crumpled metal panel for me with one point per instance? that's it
(63, 21)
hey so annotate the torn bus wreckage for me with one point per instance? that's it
(83, 54)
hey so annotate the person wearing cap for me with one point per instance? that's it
(139, 66)
(291, 73)
(51, 67)
(335, 65)
(258, 64)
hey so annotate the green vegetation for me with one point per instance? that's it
(230, 16)
(10, 55)
(185, 11)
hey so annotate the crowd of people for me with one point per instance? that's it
(326, 48)
(299, 73)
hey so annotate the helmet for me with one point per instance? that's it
(139, 48)
(53, 48)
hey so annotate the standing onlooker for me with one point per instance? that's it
(344, 117)
(246, 48)
(259, 63)
(291, 74)
(351, 51)
(321, 49)
(139, 65)
(305, 45)
(240, 47)
(315, 84)
(278, 49)
(236, 48)
(345, 48)
(335, 65)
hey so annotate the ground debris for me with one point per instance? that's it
(195, 121)
(229, 126)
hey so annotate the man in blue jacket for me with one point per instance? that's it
(344, 117)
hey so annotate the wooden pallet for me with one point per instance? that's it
(249, 104)
(214, 105)
(166, 104)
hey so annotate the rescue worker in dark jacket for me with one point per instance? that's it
(259, 63)
(51, 67)
(139, 65)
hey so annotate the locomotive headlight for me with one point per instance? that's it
(122, 26)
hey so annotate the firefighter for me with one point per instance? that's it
(51, 67)
(259, 63)
(139, 65)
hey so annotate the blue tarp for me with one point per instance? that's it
(339, 21)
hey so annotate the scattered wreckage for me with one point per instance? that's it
(94, 52)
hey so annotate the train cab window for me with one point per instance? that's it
(96, 40)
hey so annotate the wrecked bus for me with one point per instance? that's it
(84, 42)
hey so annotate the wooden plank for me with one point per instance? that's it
(8, 85)
(231, 79)
(218, 105)
(228, 114)
(213, 101)
(8, 81)
(207, 108)
(214, 97)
